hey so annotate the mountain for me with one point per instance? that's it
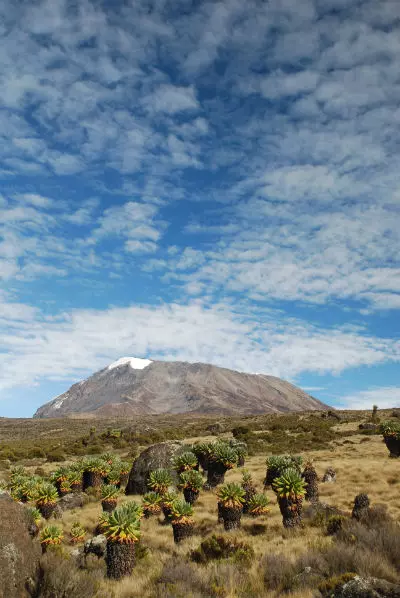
(132, 386)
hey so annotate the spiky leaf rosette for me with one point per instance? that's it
(96, 465)
(190, 479)
(46, 493)
(74, 476)
(276, 464)
(122, 526)
(34, 514)
(182, 512)
(246, 478)
(109, 458)
(202, 449)
(51, 535)
(290, 485)
(231, 495)
(151, 503)
(134, 508)
(124, 467)
(224, 454)
(168, 498)
(160, 480)
(185, 461)
(102, 521)
(109, 491)
(114, 476)
(258, 505)
(77, 533)
(16, 471)
(390, 429)
(60, 474)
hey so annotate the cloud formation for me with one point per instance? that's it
(217, 154)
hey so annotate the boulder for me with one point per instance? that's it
(96, 545)
(368, 426)
(155, 457)
(19, 553)
(73, 501)
(329, 475)
(216, 428)
(367, 587)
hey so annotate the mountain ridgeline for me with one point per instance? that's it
(133, 386)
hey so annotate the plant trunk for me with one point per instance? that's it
(47, 509)
(120, 559)
(92, 479)
(167, 510)
(182, 531)
(310, 476)
(109, 504)
(220, 518)
(203, 462)
(393, 444)
(241, 462)
(231, 517)
(271, 474)
(191, 495)
(123, 480)
(76, 487)
(250, 492)
(291, 511)
(215, 474)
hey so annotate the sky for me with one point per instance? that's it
(200, 181)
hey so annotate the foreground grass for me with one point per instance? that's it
(167, 571)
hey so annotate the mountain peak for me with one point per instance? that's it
(129, 387)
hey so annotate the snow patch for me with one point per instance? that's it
(135, 362)
(58, 404)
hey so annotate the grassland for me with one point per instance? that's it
(280, 557)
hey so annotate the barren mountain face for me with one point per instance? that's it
(133, 386)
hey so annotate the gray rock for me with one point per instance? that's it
(73, 501)
(19, 553)
(155, 457)
(96, 545)
(329, 475)
(367, 587)
(368, 426)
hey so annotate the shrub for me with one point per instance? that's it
(220, 547)
(56, 456)
(328, 587)
(278, 572)
(60, 578)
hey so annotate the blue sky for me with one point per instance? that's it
(202, 181)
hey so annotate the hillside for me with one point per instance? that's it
(133, 386)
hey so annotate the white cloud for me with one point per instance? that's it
(171, 99)
(133, 222)
(384, 398)
(74, 344)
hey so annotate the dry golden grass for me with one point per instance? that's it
(362, 465)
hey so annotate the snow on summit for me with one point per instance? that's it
(135, 362)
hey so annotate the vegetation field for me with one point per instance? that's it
(262, 558)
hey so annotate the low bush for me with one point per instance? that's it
(60, 578)
(221, 547)
(56, 456)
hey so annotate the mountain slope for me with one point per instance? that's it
(133, 386)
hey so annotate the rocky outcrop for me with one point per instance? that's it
(96, 545)
(73, 501)
(155, 457)
(367, 587)
(329, 475)
(19, 553)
